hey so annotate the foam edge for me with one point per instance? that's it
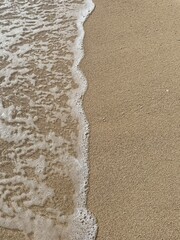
(82, 218)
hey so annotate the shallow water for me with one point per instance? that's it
(43, 130)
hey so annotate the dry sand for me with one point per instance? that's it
(132, 63)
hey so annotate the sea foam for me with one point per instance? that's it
(43, 128)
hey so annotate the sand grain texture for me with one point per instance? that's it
(132, 63)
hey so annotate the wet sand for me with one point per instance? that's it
(132, 63)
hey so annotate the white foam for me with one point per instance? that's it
(41, 90)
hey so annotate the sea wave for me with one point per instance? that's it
(43, 128)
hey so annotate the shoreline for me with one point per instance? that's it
(131, 65)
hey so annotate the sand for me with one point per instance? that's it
(132, 63)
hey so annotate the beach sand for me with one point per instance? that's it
(132, 64)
